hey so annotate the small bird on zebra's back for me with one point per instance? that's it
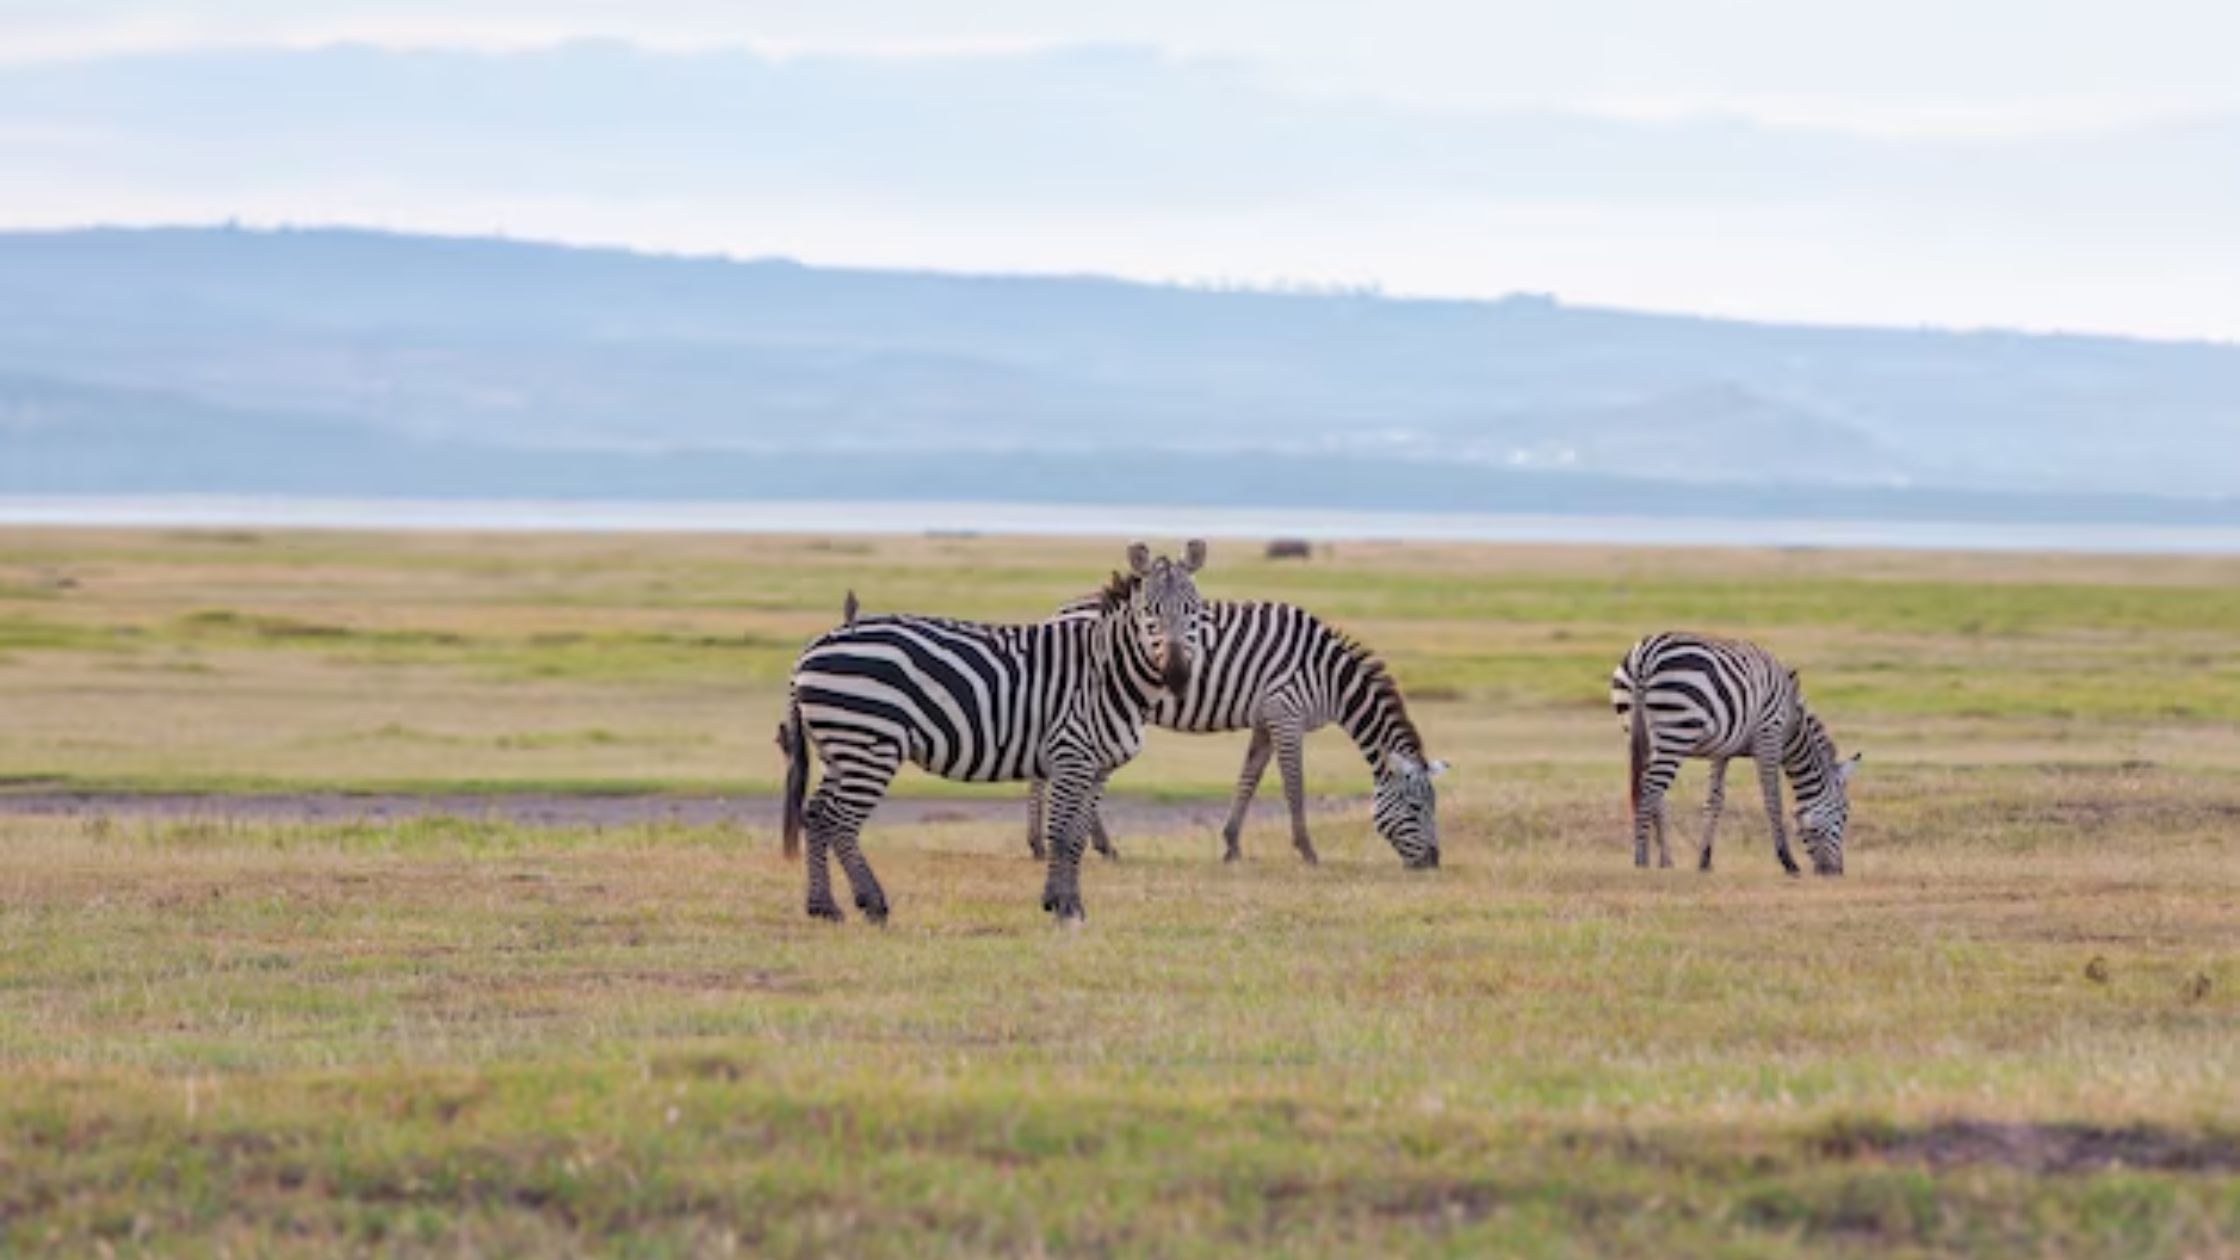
(1684, 695)
(1060, 702)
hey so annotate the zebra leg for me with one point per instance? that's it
(1291, 759)
(1769, 778)
(1248, 782)
(817, 820)
(1097, 834)
(1648, 807)
(1711, 807)
(862, 784)
(1035, 820)
(1072, 806)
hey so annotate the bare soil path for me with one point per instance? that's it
(1125, 815)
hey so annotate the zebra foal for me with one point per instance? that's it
(1057, 701)
(1685, 695)
(1281, 672)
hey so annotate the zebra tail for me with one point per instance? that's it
(796, 740)
(1639, 755)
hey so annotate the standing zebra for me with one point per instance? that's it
(1281, 672)
(1685, 695)
(1056, 701)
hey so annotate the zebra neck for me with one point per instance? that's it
(1809, 758)
(1370, 710)
(1119, 653)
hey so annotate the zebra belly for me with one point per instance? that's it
(973, 744)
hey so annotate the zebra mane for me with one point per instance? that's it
(1378, 677)
(1116, 592)
(1814, 741)
(1820, 736)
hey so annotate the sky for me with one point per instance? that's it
(2046, 165)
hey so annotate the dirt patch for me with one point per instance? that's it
(2042, 1148)
(1125, 816)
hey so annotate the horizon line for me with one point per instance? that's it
(1264, 288)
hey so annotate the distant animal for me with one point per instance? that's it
(1290, 549)
(1685, 695)
(1280, 672)
(1058, 701)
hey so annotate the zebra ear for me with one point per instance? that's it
(1435, 769)
(1846, 771)
(1404, 763)
(1793, 676)
(1139, 559)
(1194, 555)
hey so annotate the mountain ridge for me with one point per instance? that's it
(501, 345)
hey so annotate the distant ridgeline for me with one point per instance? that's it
(356, 363)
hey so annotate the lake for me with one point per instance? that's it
(1094, 520)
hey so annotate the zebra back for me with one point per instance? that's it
(1257, 649)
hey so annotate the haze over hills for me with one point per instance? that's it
(365, 363)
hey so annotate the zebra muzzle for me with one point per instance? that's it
(1174, 671)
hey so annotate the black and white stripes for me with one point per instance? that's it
(1059, 701)
(1686, 695)
(1280, 672)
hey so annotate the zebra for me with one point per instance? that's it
(1282, 672)
(1056, 701)
(1686, 695)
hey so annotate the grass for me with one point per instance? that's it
(461, 1036)
(319, 659)
(2008, 1031)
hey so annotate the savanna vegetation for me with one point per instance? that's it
(2010, 1030)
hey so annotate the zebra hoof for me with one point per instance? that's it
(1309, 857)
(827, 911)
(1110, 855)
(873, 905)
(1065, 906)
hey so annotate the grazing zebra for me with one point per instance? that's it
(1056, 701)
(1281, 672)
(1684, 695)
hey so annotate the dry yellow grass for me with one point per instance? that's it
(2009, 1031)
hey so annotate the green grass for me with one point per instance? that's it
(455, 1036)
(2008, 1031)
(356, 660)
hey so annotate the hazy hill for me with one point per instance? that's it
(177, 358)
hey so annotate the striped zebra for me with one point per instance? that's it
(1685, 695)
(1280, 672)
(1057, 701)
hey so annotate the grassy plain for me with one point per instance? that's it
(2010, 1030)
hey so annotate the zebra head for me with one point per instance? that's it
(1170, 614)
(1821, 821)
(1407, 808)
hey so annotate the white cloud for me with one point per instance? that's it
(1879, 66)
(964, 140)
